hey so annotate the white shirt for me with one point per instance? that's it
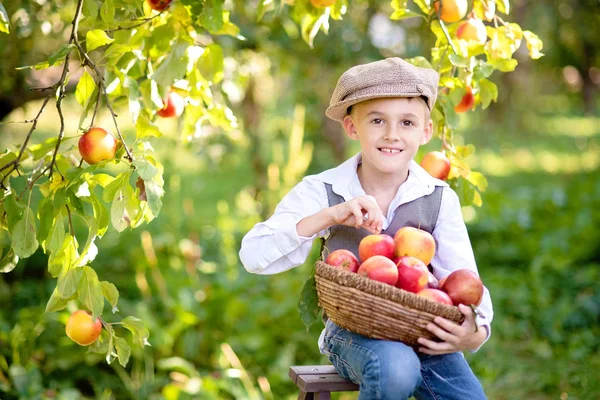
(274, 246)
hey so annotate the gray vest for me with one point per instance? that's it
(420, 213)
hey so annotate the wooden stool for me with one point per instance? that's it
(316, 382)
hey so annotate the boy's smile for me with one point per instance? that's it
(390, 131)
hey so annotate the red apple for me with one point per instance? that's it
(467, 101)
(322, 3)
(97, 144)
(432, 283)
(452, 10)
(414, 242)
(473, 30)
(343, 259)
(158, 5)
(436, 295)
(413, 274)
(174, 105)
(376, 245)
(437, 164)
(379, 268)
(464, 287)
(82, 329)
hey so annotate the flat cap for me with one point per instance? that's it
(391, 77)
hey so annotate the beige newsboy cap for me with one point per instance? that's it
(391, 77)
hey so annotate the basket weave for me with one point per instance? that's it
(375, 309)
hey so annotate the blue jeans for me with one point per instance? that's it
(392, 370)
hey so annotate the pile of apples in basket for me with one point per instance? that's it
(402, 262)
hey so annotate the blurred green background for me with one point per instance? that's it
(218, 332)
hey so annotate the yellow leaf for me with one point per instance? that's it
(534, 45)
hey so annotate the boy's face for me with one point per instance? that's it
(390, 131)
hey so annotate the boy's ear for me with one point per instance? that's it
(427, 133)
(349, 127)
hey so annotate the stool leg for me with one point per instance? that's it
(323, 396)
(306, 396)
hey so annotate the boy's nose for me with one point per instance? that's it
(392, 134)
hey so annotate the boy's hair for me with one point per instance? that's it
(422, 99)
(392, 77)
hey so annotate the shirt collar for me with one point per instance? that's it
(344, 178)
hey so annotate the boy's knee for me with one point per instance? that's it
(399, 371)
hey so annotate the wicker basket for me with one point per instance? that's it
(377, 310)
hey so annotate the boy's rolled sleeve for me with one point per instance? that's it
(274, 246)
(454, 251)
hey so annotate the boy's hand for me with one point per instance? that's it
(454, 337)
(362, 211)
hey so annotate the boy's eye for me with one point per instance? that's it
(377, 121)
(407, 122)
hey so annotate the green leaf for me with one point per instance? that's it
(85, 88)
(118, 215)
(311, 24)
(137, 328)
(68, 280)
(451, 117)
(174, 66)
(4, 20)
(56, 58)
(308, 305)
(14, 211)
(41, 149)
(56, 302)
(154, 193)
(99, 346)
(90, 251)
(404, 14)
(503, 6)
(110, 189)
(212, 15)
(459, 61)
(56, 238)
(488, 92)
(115, 51)
(100, 214)
(24, 240)
(90, 292)
(90, 8)
(420, 62)
(534, 45)
(57, 258)
(211, 64)
(477, 179)
(123, 351)
(111, 294)
(483, 70)
(504, 65)
(102, 179)
(145, 170)
(9, 261)
(424, 5)
(45, 214)
(145, 128)
(465, 191)
(107, 11)
(97, 38)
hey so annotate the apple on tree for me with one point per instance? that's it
(344, 259)
(467, 101)
(81, 329)
(437, 164)
(472, 30)
(158, 5)
(322, 3)
(452, 10)
(96, 145)
(173, 106)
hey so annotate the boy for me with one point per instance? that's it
(386, 106)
